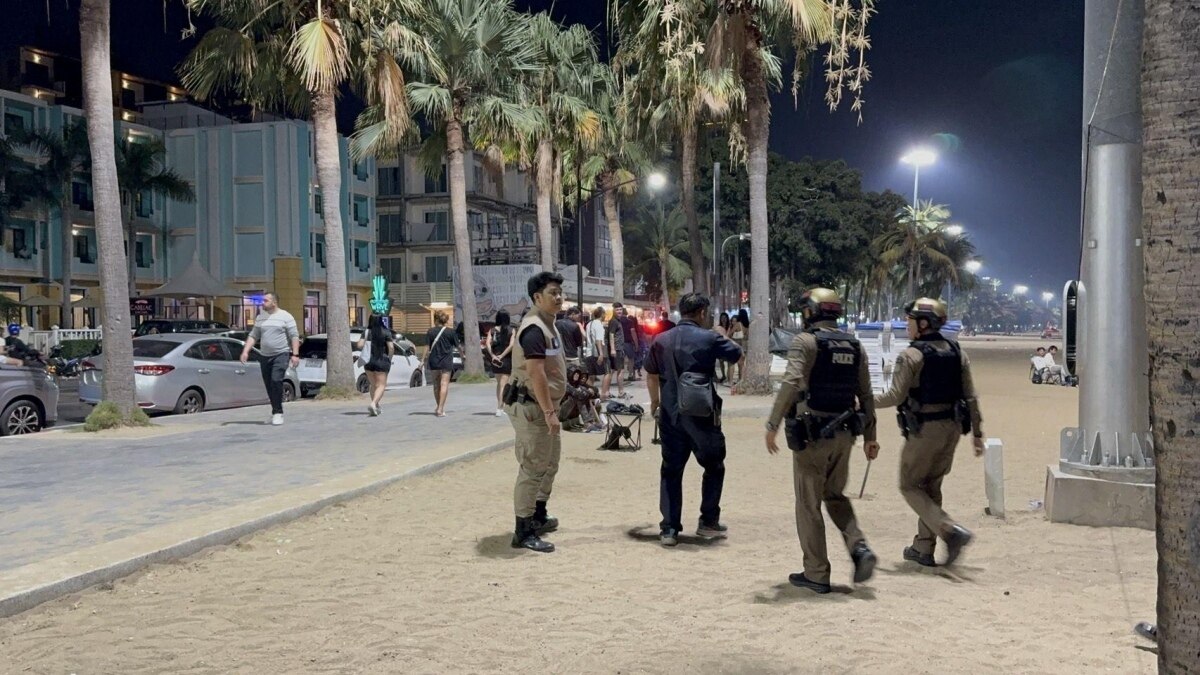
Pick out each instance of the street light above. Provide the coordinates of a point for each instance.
(918, 158)
(973, 266)
(744, 236)
(656, 181)
(1047, 296)
(954, 230)
(1020, 289)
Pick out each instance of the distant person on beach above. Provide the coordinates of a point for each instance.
(499, 347)
(615, 339)
(440, 357)
(375, 351)
(933, 389)
(572, 336)
(595, 355)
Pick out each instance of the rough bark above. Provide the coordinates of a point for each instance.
(1171, 222)
(67, 316)
(758, 113)
(613, 215)
(465, 277)
(340, 373)
(97, 104)
(687, 166)
(545, 188)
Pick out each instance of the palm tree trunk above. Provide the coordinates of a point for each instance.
(1171, 222)
(613, 216)
(687, 165)
(545, 186)
(97, 104)
(758, 112)
(663, 279)
(340, 373)
(473, 357)
(131, 247)
(67, 319)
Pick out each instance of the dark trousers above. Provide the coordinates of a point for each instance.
(681, 438)
(274, 371)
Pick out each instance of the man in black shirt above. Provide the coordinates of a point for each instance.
(572, 336)
(616, 349)
(629, 334)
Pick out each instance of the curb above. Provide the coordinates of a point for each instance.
(29, 598)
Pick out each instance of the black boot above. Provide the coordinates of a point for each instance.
(526, 537)
(864, 562)
(542, 522)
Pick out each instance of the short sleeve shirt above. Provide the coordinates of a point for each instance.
(533, 342)
(616, 334)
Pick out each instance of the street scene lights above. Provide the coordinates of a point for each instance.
(918, 158)
(1020, 289)
(1047, 296)
(954, 230)
(656, 181)
(973, 266)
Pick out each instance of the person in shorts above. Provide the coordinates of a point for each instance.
(595, 359)
(375, 349)
(615, 345)
(443, 343)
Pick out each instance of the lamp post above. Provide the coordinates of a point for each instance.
(1020, 289)
(1047, 296)
(744, 236)
(954, 230)
(918, 158)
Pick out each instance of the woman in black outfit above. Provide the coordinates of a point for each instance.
(379, 359)
(443, 345)
(499, 348)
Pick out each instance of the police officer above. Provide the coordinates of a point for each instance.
(689, 353)
(932, 387)
(826, 398)
(539, 380)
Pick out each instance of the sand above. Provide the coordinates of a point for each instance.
(420, 578)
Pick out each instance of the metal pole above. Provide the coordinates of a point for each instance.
(916, 179)
(579, 206)
(716, 227)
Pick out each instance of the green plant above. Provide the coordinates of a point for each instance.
(332, 393)
(72, 349)
(468, 378)
(106, 415)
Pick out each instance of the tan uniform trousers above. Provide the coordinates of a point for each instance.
(820, 472)
(538, 452)
(925, 460)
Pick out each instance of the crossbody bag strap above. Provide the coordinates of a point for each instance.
(439, 337)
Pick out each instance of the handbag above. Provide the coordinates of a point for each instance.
(364, 355)
(695, 390)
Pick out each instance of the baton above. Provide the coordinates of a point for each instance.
(865, 475)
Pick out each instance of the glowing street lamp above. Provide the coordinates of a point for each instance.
(918, 158)
(1047, 296)
(1020, 289)
(954, 230)
(656, 180)
(973, 266)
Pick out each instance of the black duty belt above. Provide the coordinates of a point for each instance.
(936, 416)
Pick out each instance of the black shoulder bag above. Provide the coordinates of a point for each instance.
(694, 390)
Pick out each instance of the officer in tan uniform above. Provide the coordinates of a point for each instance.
(539, 381)
(826, 400)
(935, 396)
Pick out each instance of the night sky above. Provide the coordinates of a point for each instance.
(994, 85)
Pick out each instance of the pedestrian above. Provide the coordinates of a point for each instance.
(595, 351)
(722, 329)
(442, 356)
(643, 339)
(630, 342)
(935, 394)
(499, 348)
(572, 336)
(375, 349)
(538, 384)
(278, 341)
(739, 329)
(827, 400)
(615, 337)
(679, 374)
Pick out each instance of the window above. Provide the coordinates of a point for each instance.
(475, 223)
(390, 184)
(437, 183)
(318, 205)
(391, 228)
(17, 118)
(437, 269)
(129, 99)
(478, 178)
(209, 350)
(527, 234)
(144, 252)
(529, 196)
(20, 244)
(83, 250)
(317, 249)
(440, 220)
(145, 204)
(392, 269)
(496, 226)
(360, 170)
(362, 256)
(361, 208)
(81, 195)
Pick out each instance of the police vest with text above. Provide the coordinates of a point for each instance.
(832, 392)
(939, 393)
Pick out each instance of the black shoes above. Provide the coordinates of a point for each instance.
(798, 579)
(526, 536)
(956, 540)
(864, 563)
(711, 530)
(925, 559)
(543, 523)
(669, 537)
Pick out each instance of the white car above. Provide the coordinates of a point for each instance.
(406, 365)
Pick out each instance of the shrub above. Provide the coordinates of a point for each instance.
(72, 349)
(106, 415)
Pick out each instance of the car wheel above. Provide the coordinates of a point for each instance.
(418, 379)
(289, 392)
(363, 385)
(20, 417)
(190, 402)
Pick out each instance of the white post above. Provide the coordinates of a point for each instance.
(993, 476)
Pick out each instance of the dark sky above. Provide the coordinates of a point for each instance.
(995, 85)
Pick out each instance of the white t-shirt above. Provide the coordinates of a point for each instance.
(1041, 362)
(595, 338)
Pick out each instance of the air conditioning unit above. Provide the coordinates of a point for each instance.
(416, 277)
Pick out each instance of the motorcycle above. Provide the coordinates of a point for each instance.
(57, 365)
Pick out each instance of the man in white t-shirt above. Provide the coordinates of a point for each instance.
(595, 357)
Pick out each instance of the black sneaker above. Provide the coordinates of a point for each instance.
(798, 579)
(925, 559)
(956, 540)
(711, 530)
(669, 538)
(864, 563)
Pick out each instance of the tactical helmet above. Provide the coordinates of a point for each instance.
(821, 303)
(930, 309)
(14, 329)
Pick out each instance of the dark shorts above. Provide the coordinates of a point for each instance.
(378, 366)
(595, 366)
(630, 352)
(616, 363)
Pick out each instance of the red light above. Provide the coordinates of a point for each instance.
(152, 370)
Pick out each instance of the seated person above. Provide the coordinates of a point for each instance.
(579, 410)
(1039, 360)
(15, 349)
(1054, 368)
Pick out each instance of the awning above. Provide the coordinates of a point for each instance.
(39, 301)
(89, 301)
(194, 282)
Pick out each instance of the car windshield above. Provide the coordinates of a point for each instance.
(153, 349)
(313, 348)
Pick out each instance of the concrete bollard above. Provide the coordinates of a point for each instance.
(993, 476)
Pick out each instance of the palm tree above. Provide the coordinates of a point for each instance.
(560, 89)
(64, 156)
(914, 243)
(94, 20)
(662, 238)
(471, 79)
(143, 174)
(1171, 220)
(291, 56)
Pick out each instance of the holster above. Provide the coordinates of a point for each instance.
(908, 420)
(515, 394)
(962, 415)
(797, 430)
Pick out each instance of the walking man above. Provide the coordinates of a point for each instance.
(539, 381)
(680, 374)
(572, 337)
(933, 389)
(278, 341)
(826, 399)
(615, 340)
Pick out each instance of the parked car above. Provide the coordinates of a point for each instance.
(28, 400)
(161, 326)
(406, 365)
(188, 373)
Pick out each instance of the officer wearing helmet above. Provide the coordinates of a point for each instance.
(935, 396)
(824, 402)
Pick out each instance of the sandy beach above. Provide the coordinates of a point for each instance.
(421, 579)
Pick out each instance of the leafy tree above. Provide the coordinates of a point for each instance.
(661, 239)
(142, 174)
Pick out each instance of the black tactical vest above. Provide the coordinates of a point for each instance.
(941, 373)
(833, 384)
